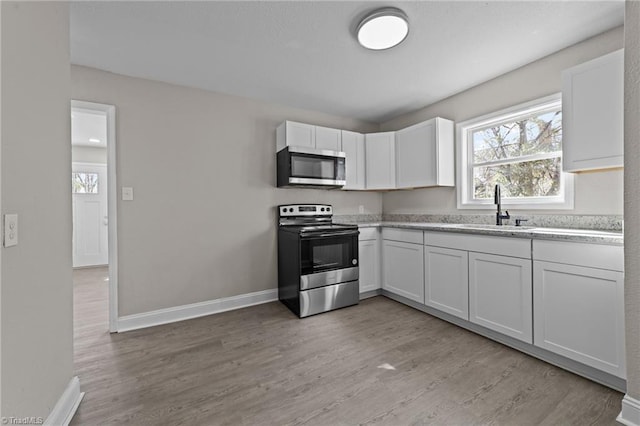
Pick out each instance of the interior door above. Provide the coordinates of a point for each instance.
(90, 220)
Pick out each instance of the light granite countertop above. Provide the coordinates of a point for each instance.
(540, 233)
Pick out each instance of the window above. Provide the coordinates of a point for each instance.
(84, 183)
(520, 149)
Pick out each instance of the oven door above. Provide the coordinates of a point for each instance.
(328, 258)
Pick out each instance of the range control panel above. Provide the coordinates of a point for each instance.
(291, 210)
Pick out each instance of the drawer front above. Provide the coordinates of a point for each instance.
(369, 233)
(580, 254)
(404, 235)
(503, 246)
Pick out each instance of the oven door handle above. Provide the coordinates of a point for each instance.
(329, 234)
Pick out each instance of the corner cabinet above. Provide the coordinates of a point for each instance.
(593, 114)
(369, 254)
(578, 292)
(353, 147)
(402, 254)
(380, 160)
(424, 154)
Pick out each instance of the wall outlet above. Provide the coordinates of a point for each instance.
(361, 209)
(10, 230)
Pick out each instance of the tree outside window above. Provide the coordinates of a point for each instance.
(519, 149)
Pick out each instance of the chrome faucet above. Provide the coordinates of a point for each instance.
(499, 215)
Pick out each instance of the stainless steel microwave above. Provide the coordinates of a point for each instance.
(311, 168)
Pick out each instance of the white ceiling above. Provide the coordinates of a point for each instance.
(304, 53)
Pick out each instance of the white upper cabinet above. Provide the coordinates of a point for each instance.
(291, 133)
(329, 139)
(425, 154)
(593, 113)
(380, 160)
(353, 146)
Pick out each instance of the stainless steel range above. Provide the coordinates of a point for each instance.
(317, 260)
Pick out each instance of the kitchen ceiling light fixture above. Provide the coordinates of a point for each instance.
(383, 28)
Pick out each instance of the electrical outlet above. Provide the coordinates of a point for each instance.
(10, 230)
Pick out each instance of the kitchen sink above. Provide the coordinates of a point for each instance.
(491, 227)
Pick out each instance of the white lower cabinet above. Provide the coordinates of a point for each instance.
(402, 269)
(579, 310)
(446, 280)
(369, 255)
(500, 294)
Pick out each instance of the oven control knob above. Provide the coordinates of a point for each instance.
(322, 209)
(328, 209)
(354, 261)
(291, 210)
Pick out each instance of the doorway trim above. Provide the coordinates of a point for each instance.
(112, 199)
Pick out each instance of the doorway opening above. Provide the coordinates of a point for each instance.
(93, 193)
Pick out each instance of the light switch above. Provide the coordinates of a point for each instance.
(127, 193)
(10, 230)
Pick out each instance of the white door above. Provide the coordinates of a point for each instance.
(369, 254)
(90, 220)
(402, 269)
(500, 294)
(380, 160)
(446, 280)
(326, 138)
(579, 313)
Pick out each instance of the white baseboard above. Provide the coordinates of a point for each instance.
(67, 405)
(630, 414)
(194, 310)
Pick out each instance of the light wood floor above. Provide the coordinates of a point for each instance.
(263, 366)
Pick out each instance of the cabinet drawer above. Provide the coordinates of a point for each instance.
(404, 235)
(504, 246)
(580, 254)
(368, 233)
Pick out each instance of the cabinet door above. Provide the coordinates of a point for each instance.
(500, 294)
(579, 313)
(593, 114)
(353, 146)
(446, 280)
(402, 269)
(416, 156)
(327, 138)
(369, 253)
(299, 134)
(380, 160)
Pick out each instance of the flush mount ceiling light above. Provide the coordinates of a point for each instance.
(383, 28)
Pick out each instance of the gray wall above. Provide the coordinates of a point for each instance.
(632, 196)
(36, 283)
(203, 223)
(595, 193)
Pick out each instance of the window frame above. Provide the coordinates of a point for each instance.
(464, 158)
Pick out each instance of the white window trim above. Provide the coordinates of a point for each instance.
(464, 188)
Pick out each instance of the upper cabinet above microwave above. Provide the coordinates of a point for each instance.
(301, 135)
(593, 114)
